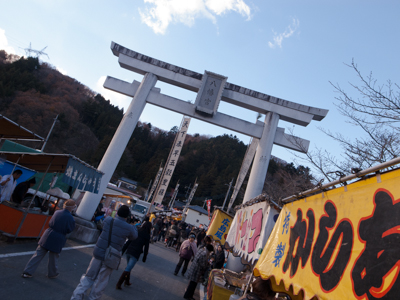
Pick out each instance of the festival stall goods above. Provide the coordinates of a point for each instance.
(342, 243)
(245, 237)
(20, 222)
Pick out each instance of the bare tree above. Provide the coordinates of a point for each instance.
(376, 110)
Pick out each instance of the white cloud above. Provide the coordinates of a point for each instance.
(62, 71)
(164, 12)
(290, 30)
(4, 43)
(115, 98)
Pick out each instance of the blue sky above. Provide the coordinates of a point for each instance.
(289, 49)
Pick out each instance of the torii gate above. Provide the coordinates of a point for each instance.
(211, 88)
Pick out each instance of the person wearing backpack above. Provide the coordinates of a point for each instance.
(187, 250)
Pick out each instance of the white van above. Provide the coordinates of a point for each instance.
(139, 209)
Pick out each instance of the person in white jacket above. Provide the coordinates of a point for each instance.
(7, 185)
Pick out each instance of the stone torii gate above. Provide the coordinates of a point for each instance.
(211, 88)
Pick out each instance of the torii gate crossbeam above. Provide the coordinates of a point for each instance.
(267, 132)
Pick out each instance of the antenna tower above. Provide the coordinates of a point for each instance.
(29, 51)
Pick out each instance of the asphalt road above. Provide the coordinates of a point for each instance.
(151, 280)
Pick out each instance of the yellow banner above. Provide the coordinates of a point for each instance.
(219, 226)
(340, 244)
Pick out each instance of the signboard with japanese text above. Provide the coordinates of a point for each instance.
(82, 177)
(219, 226)
(171, 162)
(250, 230)
(210, 92)
(341, 244)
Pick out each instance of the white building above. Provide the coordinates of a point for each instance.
(196, 216)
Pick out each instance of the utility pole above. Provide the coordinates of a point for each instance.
(227, 193)
(48, 135)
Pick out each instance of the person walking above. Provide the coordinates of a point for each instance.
(98, 274)
(7, 185)
(182, 236)
(52, 240)
(197, 270)
(133, 252)
(171, 234)
(187, 250)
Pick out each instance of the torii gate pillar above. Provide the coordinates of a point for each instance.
(262, 157)
(117, 146)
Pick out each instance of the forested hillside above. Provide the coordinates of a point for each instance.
(33, 94)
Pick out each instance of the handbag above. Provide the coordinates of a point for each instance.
(112, 258)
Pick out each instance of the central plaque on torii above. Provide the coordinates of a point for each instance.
(210, 93)
(211, 88)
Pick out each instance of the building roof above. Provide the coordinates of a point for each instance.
(124, 179)
(198, 209)
(123, 191)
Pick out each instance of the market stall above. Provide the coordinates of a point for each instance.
(244, 237)
(28, 222)
(341, 243)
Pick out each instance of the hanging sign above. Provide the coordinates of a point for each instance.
(219, 226)
(341, 244)
(82, 177)
(250, 230)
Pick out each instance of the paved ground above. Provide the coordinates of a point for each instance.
(151, 280)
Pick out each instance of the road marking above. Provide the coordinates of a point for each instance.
(33, 252)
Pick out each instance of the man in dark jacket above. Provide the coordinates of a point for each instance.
(98, 274)
(21, 189)
(53, 240)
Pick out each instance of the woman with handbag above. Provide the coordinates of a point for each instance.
(133, 251)
(186, 252)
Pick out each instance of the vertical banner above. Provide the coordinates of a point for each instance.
(153, 187)
(219, 226)
(191, 195)
(209, 208)
(250, 230)
(248, 158)
(172, 161)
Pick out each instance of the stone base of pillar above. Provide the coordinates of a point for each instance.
(85, 231)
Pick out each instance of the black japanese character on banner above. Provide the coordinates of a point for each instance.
(376, 271)
(299, 231)
(330, 276)
(168, 172)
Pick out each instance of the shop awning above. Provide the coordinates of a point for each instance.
(77, 173)
(12, 131)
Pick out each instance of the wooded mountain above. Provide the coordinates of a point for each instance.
(33, 94)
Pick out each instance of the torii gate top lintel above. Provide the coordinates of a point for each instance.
(232, 93)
